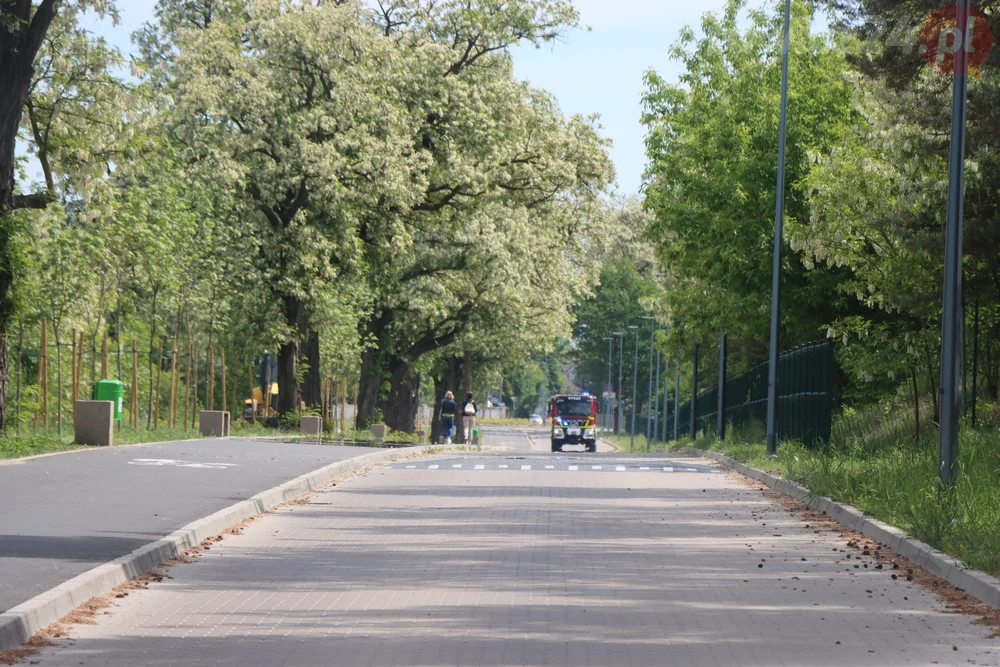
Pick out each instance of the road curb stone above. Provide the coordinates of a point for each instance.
(976, 583)
(19, 623)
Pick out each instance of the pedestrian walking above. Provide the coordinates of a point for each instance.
(469, 410)
(448, 411)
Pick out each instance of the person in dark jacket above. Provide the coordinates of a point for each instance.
(469, 410)
(448, 411)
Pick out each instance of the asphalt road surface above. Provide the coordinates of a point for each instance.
(531, 565)
(63, 515)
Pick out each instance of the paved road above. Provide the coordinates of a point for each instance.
(458, 566)
(65, 514)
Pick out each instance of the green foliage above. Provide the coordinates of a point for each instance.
(711, 177)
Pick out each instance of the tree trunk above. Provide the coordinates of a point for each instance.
(312, 389)
(288, 354)
(400, 407)
(366, 400)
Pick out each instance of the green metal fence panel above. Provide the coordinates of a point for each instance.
(805, 398)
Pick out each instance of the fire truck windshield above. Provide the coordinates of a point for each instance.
(573, 407)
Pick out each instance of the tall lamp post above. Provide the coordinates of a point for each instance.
(635, 383)
(607, 388)
(618, 389)
(779, 218)
(649, 401)
(952, 320)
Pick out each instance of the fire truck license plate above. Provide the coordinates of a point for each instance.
(572, 431)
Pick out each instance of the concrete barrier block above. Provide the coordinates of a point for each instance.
(311, 425)
(214, 423)
(94, 423)
(379, 431)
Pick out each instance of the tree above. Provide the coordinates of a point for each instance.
(508, 201)
(23, 27)
(711, 177)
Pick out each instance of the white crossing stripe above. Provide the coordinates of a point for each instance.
(480, 467)
(668, 470)
(410, 467)
(504, 466)
(574, 467)
(525, 467)
(643, 467)
(596, 467)
(433, 467)
(620, 468)
(457, 465)
(692, 470)
(550, 467)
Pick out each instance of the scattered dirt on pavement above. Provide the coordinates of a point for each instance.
(868, 553)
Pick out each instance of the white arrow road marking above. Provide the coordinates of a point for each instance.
(183, 464)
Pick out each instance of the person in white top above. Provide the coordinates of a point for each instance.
(469, 410)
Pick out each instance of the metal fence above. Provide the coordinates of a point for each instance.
(805, 399)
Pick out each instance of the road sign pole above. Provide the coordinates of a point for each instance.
(951, 320)
(779, 214)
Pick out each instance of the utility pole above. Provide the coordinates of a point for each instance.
(677, 402)
(635, 383)
(779, 219)
(952, 320)
(618, 389)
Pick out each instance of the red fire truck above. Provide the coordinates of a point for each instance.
(574, 421)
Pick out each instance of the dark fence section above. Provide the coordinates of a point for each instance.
(805, 398)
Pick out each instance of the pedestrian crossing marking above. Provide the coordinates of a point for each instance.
(558, 465)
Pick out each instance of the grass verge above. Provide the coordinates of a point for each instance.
(896, 482)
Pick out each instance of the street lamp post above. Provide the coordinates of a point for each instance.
(607, 387)
(654, 404)
(649, 401)
(618, 389)
(952, 319)
(635, 383)
(779, 215)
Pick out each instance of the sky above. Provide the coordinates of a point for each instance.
(597, 71)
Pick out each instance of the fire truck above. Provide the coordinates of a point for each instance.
(574, 421)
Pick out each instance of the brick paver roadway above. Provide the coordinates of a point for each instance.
(647, 561)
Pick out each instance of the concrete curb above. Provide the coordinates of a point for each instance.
(18, 624)
(980, 585)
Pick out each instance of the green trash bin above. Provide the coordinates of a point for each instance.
(110, 390)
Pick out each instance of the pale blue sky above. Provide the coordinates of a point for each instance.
(590, 72)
